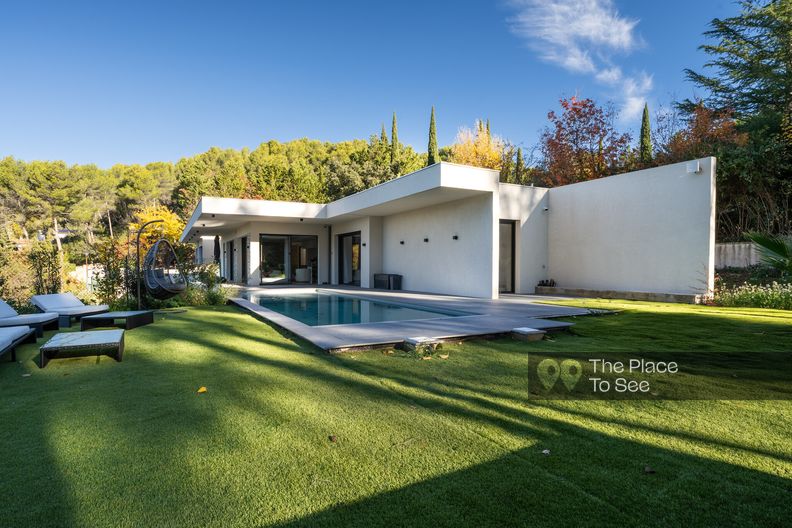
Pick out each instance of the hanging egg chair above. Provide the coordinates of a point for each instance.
(161, 271)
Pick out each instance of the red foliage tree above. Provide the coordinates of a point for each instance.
(582, 143)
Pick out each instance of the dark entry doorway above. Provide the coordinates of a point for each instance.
(506, 265)
(349, 258)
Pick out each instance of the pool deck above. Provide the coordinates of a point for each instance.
(490, 317)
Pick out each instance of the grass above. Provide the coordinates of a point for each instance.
(91, 442)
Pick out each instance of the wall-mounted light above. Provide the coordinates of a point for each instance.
(693, 167)
(455, 237)
(426, 240)
(212, 216)
(301, 219)
(364, 244)
(546, 209)
(401, 242)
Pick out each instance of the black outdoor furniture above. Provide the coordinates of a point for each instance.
(12, 336)
(387, 281)
(127, 320)
(94, 342)
(161, 271)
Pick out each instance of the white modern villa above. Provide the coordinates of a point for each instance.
(454, 229)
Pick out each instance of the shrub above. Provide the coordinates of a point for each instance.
(776, 251)
(775, 295)
(16, 277)
(109, 284)
(46, 265)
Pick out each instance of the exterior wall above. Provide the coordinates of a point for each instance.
(651, 231)
(466, 266)
(526, 206)
(736, 255)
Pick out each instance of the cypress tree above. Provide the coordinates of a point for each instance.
(433, 156)
(518, 169)
(383, 135)
(645, 150)
(394, 140)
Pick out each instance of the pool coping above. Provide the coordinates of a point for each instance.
(489, 317)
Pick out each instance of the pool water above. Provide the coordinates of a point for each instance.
(319, 309)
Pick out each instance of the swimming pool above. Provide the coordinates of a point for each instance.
(321, 309)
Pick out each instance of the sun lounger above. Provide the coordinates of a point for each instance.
(12, 336)
(67, 306)
(38, 321)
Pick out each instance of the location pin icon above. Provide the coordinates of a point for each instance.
(570, 373)
(548, 372)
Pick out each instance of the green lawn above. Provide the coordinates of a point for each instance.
(92, 442)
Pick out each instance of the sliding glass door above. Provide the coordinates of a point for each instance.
(303, 259)
(289, 259)
(273, 258)
(349, 259)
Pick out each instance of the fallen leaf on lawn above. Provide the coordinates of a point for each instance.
(25, 375)
(545, 452)
(332, 438)
(443, 356)
(202, 390)
(427, 357)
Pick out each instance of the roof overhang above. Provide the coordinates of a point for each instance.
(433, 185)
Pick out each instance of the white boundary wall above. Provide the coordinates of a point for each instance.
(646, 231)
(736, 255)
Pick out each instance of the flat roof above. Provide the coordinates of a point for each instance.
(438, 183)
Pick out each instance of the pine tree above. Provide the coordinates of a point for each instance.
(519, 171)
(645, 150)
(383, 135)
(394, 140)
(433, 155)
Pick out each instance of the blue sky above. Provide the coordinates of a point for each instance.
(135, 82)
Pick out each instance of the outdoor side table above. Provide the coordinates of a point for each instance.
(94, 342)
(129, 320)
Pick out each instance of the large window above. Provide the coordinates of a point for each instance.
(289, 259)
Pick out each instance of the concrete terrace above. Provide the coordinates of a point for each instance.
(490, 317)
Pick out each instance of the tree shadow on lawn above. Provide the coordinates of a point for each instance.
(607, 472)
(763, 367)
(132, 444)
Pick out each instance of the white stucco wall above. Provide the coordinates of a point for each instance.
(651, 230)
(526, 206)
(467, 266)
(206, 253)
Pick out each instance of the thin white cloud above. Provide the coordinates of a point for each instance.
(585, 37)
